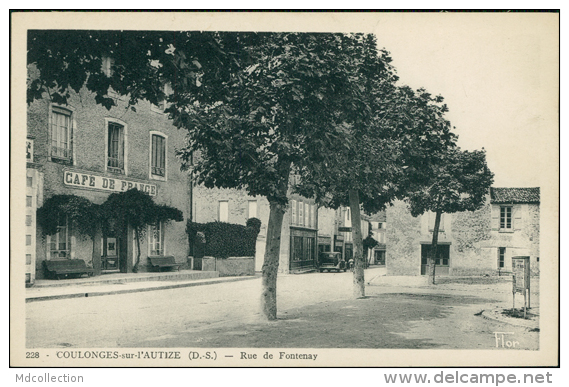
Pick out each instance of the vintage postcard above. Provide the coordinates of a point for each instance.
(276, 189)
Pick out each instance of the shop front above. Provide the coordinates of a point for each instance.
(111, 245)
(302, 249)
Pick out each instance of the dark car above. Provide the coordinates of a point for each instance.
(331, 261)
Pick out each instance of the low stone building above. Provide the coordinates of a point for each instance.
(470, 243)
(299, 228)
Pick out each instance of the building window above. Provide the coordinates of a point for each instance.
(442, 258)
(307, 218)
(163, 104)
(29, 150)
(61, 134)
(223, 211)
(300, 213)
(158, 155)
(28, 201)
(347, 218)
(501, 257)
(297, 248)
(252, 209)
(28, 259)
(115, 148)
(28, 220)
(309, 246)
(505, 218)
(293, 206)
(28, 240)
(29, 181)
(156, 239)
(59, 245)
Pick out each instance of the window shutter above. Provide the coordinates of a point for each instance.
(517, 217)
(154, 151)
(120, 133)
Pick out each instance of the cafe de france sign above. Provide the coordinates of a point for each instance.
(96, 182)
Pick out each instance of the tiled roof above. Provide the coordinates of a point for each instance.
(514, 195)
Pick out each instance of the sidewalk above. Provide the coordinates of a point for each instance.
(497, 287)
(120, 283)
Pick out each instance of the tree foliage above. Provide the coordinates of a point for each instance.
(82, 214)
(140, 63)
(223, 239)
(385, 138)
(275, 109)
(457, 181)
(454, 181)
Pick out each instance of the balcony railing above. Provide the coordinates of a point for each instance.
(158, 171)
(115, 165)
(60, 153)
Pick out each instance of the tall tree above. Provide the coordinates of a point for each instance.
(281, 101)
(454, 181)
(389, 130)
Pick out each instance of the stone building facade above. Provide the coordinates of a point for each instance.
(86, 150)
(306, 229)
(299, 228)
(470, 243)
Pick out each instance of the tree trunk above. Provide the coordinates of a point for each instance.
(96, 256)
(271, 263)
(433, 250)
(137, 237)
(273, 246)
(359, 283)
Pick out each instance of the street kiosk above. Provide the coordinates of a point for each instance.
(521, 280)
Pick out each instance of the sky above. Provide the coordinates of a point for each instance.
(498, 74)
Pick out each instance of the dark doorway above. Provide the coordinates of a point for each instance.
(349, 251)
(379, 257)
(110, 254)
(442, 260)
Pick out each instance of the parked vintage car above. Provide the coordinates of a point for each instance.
(331, 261)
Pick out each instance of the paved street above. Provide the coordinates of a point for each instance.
(315, 310)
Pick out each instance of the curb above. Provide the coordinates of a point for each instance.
(125, 291)
(527, 324)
